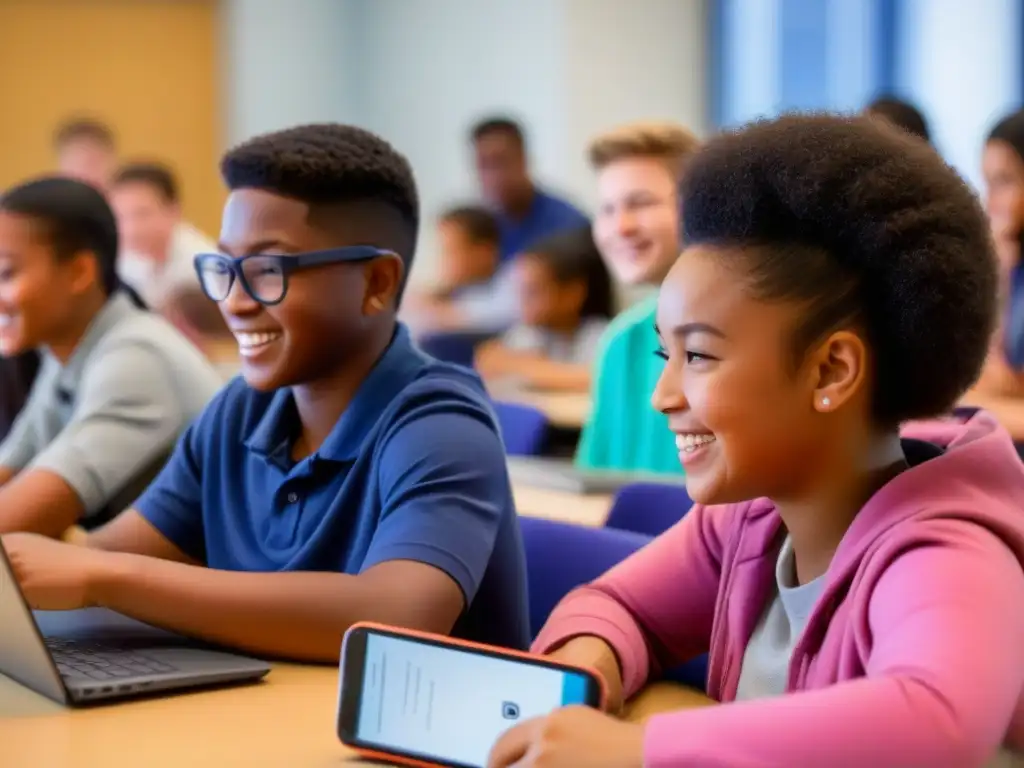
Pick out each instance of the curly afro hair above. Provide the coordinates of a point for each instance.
(867, 228)
(329, 165)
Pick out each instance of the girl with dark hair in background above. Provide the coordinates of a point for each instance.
(117, 384)
(1001, 385)
(566, 301)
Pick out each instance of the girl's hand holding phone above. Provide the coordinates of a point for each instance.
(573, 737)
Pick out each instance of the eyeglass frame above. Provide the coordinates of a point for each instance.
(286, 262)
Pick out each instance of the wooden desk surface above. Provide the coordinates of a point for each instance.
(288, 720)
(566, 410)
(589, 509)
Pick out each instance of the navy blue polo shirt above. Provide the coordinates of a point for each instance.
(548, 215)
(414, 470)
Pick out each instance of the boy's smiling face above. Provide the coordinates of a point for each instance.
(327, 311)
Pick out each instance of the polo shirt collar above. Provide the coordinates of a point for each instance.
(400, 364)
(117, 308)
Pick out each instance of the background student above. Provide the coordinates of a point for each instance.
(348, 476)
(158, 245)
(637, 230)
(565, 302)
(117, 386)
(526, 212)
(1000, 388)
(471, 294)
(845, 609)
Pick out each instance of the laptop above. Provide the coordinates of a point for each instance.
(559, 474)
(90, 655)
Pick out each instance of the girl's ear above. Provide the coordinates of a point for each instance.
(838, 370)
(84, 272)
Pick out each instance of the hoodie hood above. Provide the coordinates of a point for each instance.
(971, 488)
(974, 475)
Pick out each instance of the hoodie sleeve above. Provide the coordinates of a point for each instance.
(656, 607)
(942, 679)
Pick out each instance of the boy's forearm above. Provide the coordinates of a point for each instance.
(300, 616)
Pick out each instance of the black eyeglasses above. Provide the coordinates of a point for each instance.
(264, 276)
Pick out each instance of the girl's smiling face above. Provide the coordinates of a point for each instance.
(752, 417)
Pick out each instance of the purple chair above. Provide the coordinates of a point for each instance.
(648, 508)
(562, 556)
(524, 429)
(456, 347)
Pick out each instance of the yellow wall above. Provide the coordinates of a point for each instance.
(149, 68)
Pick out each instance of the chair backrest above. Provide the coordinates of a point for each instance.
(562, 556)
(648, 508)
(523, 428)
(456, 347)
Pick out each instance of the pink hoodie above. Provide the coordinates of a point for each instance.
(913, 656)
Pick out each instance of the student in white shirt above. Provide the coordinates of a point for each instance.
(565, 303)
(157, 247)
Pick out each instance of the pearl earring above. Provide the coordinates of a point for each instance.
(825, 402)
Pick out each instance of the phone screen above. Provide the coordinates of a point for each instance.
(449, 705)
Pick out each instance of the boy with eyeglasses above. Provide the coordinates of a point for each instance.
(346, 476)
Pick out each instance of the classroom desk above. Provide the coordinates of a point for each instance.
(581, 509)
(288, 720)
(565, 410)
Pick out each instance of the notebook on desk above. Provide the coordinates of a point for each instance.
(92, 655)
(559, 474)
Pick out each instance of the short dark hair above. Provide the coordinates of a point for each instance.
(479, 224)
(863, 225)
(328, 164)
(902, 114)
(573, 255)
(499, 125)
(76, 218)
(87, 128)
(156, 175)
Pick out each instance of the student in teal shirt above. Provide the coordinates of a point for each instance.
(637, 229)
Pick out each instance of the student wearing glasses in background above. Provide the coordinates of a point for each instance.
(347, 476)
(117, 385)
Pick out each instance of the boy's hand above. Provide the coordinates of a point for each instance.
(54, 576)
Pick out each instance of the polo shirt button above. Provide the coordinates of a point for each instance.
(293, 497)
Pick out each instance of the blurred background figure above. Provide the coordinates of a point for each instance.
(157, 246)
(565, 303)
(525, 211)
(901, 114)
(468, 292)
(86, 150)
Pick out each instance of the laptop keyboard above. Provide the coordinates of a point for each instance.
(102, 662)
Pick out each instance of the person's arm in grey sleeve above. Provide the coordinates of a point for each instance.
(126, 416)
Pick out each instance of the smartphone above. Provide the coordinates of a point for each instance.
(426, 700)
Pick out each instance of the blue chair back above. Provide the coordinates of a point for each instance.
(648, 508)
(456, 347)
(561, 557)
(523, 428)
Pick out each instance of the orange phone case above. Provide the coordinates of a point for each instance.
(371, 754)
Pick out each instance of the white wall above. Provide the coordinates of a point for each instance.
(420, 72)
(286, 62)
(961, 63)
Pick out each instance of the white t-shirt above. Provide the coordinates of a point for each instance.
(579, 347)
(155, 281)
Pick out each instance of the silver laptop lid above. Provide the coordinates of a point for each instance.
(559, 474)
(23, 655)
